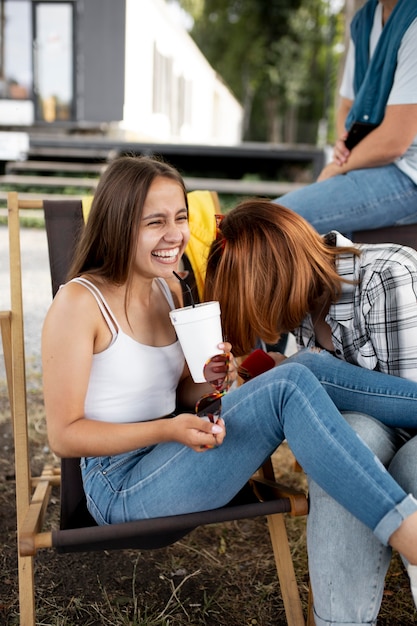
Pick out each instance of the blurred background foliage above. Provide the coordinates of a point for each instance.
(281, 59)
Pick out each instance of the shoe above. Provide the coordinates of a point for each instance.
(412, 572)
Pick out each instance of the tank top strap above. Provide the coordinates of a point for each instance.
(102, 304)
(166, 291)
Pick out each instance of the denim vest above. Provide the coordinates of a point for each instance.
(374, 78)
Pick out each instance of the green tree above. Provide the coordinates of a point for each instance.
(274, 55)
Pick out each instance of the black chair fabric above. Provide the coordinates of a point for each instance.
(159, 532)
(63, 223)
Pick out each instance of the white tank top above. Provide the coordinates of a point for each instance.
(130, 381)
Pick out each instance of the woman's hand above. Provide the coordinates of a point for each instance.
(221, 370)
(220, 373)
(331, 170)
(340, 152)
(340, 158)
(232, 373)
(197, 433)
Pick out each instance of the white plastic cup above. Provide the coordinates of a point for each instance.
(199, 332)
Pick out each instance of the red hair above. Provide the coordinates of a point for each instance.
(267, 271)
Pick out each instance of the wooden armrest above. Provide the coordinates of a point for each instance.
(30, 538)
(50, 473)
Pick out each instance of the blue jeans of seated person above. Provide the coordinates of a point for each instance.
(347, 563)
(346, 560)
(390, 399)
(361, 199)
(286, 402)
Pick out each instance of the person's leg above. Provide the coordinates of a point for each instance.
(403, 466)
(358, 200)
(390, 399)
(286, 402)
(346, 560)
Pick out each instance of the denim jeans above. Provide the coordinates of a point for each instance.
(390, 399)
(359, 200)
(347, 563)
(286, 402)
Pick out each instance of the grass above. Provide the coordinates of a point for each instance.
(31, 221)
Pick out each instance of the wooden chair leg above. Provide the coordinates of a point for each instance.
(6, 338)
(285, 569)
(26, 591)
(310, 614)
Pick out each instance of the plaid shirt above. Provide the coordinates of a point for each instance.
(374, 323)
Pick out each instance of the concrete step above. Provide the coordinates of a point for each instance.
(222, 186)
(54, 166)
(80, 153)
(242, 187)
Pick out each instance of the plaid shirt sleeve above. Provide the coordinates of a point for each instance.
(389, 309)
(374, 324)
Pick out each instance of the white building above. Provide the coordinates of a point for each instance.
(127, 66)
(171, 91)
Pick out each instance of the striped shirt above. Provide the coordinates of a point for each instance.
(374, 323)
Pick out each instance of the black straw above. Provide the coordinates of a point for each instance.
(187, 286)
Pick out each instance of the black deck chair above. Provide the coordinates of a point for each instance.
(78, 531)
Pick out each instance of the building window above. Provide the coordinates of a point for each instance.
(15, 50)
(171, 93)
(162, 83)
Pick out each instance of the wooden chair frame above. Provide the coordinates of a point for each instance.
(33, 493)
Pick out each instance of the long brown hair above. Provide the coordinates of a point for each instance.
(267, 268)
(108, 242)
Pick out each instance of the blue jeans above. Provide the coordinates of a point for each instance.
(286, 402)
(347, 563)
(390, 399)
(359, 200)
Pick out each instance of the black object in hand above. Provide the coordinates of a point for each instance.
(357, 132)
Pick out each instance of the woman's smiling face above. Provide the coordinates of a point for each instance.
(164, 232)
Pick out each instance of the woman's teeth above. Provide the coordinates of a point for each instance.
(166, 254)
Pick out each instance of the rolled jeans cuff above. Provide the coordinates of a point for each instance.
(393, 520)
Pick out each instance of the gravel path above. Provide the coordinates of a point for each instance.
(37, 294)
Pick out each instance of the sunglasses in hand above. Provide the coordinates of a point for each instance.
(216, 373)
